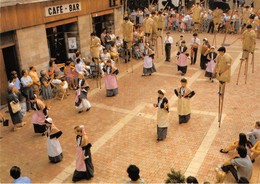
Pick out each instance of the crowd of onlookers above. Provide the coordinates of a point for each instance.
(58, 79)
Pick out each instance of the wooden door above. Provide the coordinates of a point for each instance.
(3, 80)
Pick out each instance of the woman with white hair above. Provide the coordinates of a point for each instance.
(84, 166)
(53, 144)
(162, 115)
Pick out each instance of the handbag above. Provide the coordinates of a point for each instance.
(15, 106)
(6, 122)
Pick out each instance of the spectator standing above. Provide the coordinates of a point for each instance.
(46, 85)
(17, 117)
(168, 41)
(27, 83)
(195, 43)
(36, 81)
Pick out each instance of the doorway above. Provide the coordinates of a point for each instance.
(11, 60)
(8, 63)
(60, 41)
(103, 22)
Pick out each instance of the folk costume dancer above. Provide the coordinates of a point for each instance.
(168, 41)
(110, 79)
(203, 53)
(84, 166)
(95, 44)
(182, 58)
(39, 115)
(211, 64)
(195, 43)
(128, 28)
(81, 101)
(149, 67)
(184, 95)
(162, 115)
(53, 144)
(248, 43)
(196, 16)
(223, 75)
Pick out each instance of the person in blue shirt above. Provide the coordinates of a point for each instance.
(27, 90)
(17, 82)
(15, 172)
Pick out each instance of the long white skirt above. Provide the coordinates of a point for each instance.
(54, 147)
(85, 104)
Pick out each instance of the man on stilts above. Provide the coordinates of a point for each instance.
(128, 28)
(223, 75)
(249, 42)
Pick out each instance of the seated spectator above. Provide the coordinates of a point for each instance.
(191, 180)
(239, 166)
(70, 74)
(105, 56)
(255, 151)
(81, 67)
(133, 173)
(141, 45)
(15, 172)
(113, 37)
(113, 52)
(55, 68)
(241, 142)
(137, 52)
(58, 80)
(119, 45)
(254, 135)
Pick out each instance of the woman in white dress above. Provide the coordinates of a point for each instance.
(53, 144)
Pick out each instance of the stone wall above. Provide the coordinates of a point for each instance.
(118, 18)
(33, 47)
(85, 28)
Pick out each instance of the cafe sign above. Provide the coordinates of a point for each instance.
(62, 9)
